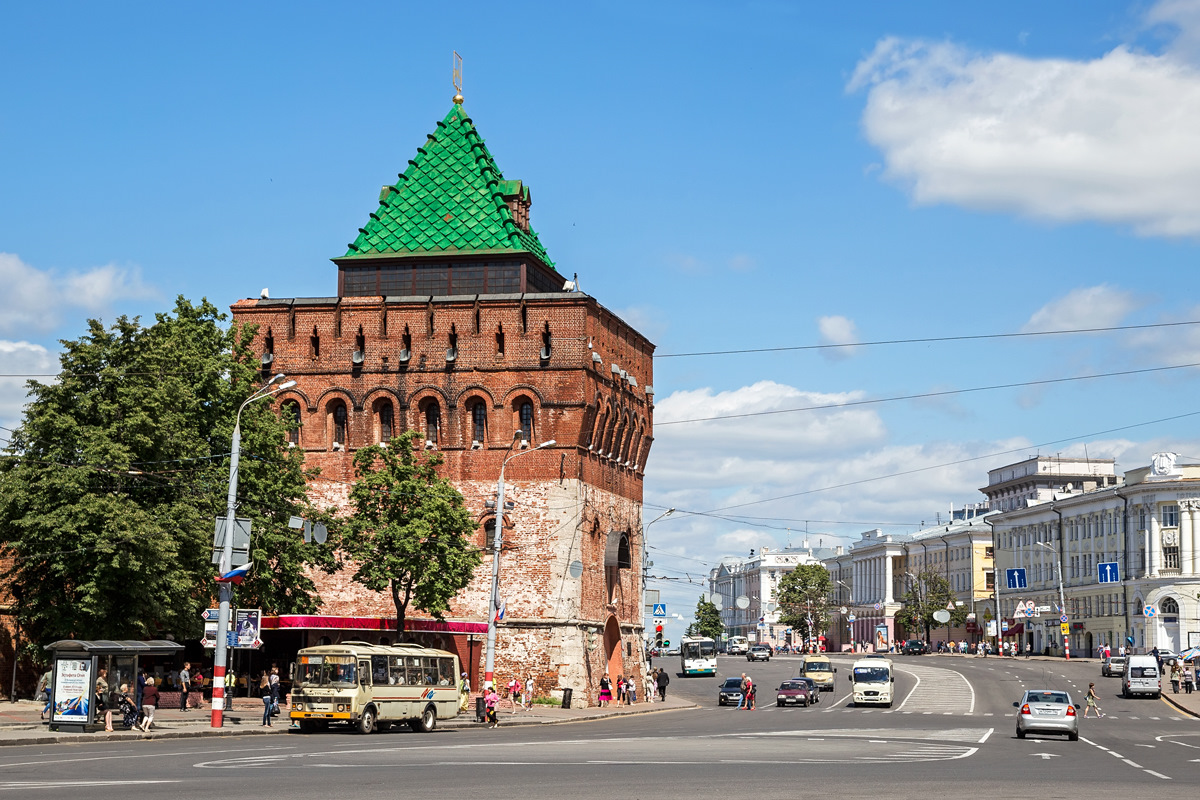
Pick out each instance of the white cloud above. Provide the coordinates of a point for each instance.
(1115, 139)
(1086, 307)
(34, 299)
(838, 330)
(20, 358)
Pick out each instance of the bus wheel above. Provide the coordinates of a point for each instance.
(426, 722)
(366, 722)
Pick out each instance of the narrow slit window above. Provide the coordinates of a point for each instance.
(525, 416)
(314, 344)
(385, 422)
(479, 422)
(433, 419)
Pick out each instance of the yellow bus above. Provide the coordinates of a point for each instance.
(370, 687)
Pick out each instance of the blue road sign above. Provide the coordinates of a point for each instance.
(660, 609)
(1016, 578)
(1109, 572)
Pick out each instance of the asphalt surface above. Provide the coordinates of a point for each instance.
(951, 731)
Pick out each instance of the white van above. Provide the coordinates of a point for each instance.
(1141, 676)
(873, 682)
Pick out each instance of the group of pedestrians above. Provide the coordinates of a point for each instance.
(268, 690)
(749, 692)
(1182, 674)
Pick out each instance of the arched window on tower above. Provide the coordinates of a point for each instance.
(290, 411)
(433, 423)
(337, 410)
(478, 423)
(525, 420)
(386, 421)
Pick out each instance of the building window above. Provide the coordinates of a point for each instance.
(291, 419)
(479, 422)
(385, 422)
(338, 410)
(1171, 558)
(1170, 516)
(314, 344)
(1141, 518)
(433, 420)
(1169, 607)
(525, 417)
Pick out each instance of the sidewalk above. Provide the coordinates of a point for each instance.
(1187, 703)
(20, 723)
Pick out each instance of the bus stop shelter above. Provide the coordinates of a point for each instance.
(77, 665)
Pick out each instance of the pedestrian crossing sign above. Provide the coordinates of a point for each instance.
(660, 609)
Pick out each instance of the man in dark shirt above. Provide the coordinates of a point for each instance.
(663, 680)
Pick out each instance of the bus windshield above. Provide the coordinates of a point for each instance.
(705, 649)
(322, 670)
(871, 675)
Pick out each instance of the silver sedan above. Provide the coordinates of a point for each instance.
(1047, 711)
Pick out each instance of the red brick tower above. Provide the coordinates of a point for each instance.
(451, 319)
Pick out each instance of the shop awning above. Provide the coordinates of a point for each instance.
(326, 622)
(110, 647)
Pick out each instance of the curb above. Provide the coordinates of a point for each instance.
(1178, 707)
(281, 730)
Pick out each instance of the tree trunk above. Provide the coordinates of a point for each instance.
(401, 608)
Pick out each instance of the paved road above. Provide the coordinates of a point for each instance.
(951, 730)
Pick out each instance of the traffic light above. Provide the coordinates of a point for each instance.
(666, 642)
(658, 635)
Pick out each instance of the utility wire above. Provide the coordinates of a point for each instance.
(923, 395)
(927, 340)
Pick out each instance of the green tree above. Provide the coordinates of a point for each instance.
(110, 487)
(803, 600)
(408, 531)
(708, 621)
(929, 593)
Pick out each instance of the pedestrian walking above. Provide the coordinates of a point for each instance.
(514, 693)
(620, 690)
(1176, 676)
(651, 685)
(631, 690)
(1093, 703)
(750, 693)
(149, 703)
(605, 696)
(185, 682)
(744, 685)
(264, 691)
(490, 701)
(529, 693)
(141, 687)
(43, 692)
(275, 691)
(1189, 678)
(1028, 649)
(662, 680)
(464, 692)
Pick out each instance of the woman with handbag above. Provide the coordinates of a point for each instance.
(264, 690)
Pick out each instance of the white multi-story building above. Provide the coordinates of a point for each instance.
(1040, 477)
(756, 579)
(1146, 527)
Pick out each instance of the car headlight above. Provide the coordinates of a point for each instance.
(299, 706)
(341, 707)
(781, 697)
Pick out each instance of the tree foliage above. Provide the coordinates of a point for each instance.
(925, 596)
(408, 530)
(803, 596)
(110, 487)
(707, 622)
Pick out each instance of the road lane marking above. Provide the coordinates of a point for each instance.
(1157, 774)
(125, 756)
(1132, 763)
(27, 785)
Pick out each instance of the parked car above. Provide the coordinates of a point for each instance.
(915, 647)
(1113, 666)
(730, 692)
(791, 693)
(1047, 711)
(760, 652)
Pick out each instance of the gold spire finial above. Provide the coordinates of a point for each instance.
(457, 78)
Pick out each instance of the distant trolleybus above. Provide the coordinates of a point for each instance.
(738, 645)
(369, 686)
(698, 655)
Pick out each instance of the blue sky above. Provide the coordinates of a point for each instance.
(725, 176)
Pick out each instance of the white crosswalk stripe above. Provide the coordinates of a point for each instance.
(938, 691)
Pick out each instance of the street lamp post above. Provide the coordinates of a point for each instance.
(220, 659)
(494, 605)
(646, 568)
(1062, 600)
(849, 601)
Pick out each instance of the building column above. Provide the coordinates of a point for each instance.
(887, 586)
(1154, 550)
(1187, 528)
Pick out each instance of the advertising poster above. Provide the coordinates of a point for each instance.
(73, 686)
(881, 638)
(248, 622)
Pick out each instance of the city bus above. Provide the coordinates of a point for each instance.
(738, 645)
(370, 687)
(698, 655)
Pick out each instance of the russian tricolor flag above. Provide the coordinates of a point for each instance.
(500, 610)
(236, 575)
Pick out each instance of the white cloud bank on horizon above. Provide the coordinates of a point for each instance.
(1115, 139)
(35, 299)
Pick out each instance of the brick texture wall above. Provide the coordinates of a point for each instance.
(573, 502)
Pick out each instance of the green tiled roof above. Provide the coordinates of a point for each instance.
(451, 198)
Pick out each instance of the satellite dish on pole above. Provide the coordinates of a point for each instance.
(717, 601)
(941, 615)
(743, 602)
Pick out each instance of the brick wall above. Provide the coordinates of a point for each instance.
(573, 501)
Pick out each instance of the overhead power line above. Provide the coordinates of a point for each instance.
(924, 395)
(928, 340)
